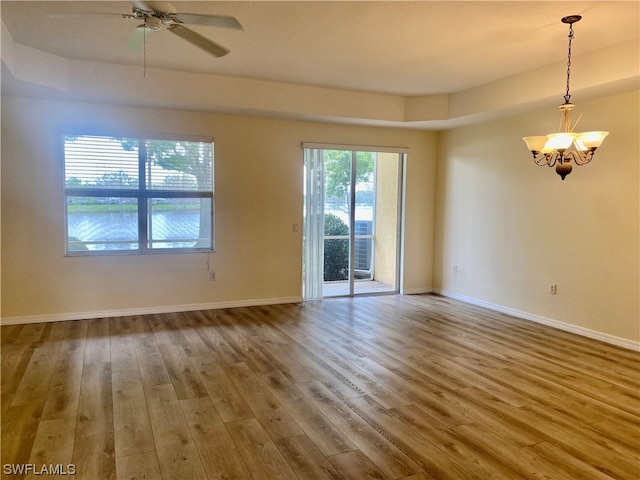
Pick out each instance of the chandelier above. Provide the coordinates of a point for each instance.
(560, 148)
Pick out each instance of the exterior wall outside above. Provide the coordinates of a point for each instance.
(386, 218)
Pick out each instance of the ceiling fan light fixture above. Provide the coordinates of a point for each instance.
(560, 148)
(153, 23)
(163, 16)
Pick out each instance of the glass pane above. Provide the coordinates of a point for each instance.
(100, 162)
(337, 189)
(102, 223)
(336, 260)
(179, 165)
(363, 254)
(180, 223)
(337, 210)
(377, 210)
(364, 215)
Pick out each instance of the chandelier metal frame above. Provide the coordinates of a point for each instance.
(559, 149)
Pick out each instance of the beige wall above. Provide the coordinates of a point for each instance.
(513, 228)
(258, 165)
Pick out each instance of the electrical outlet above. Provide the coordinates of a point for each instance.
(553, 288)
(455, 269)
(212, 276)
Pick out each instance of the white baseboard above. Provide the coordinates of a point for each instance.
(585, 332)
(61, 317)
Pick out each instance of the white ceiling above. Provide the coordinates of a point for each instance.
(401, 48)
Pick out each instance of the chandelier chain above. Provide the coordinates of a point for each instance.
(567, 97)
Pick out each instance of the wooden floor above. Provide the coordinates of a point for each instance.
(386, 387)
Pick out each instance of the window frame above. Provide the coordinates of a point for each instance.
(141, 193)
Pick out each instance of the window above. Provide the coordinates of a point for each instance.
(138, 195)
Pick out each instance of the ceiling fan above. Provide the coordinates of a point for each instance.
(163, 15)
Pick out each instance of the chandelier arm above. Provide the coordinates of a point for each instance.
(542, 159)
(581, 158)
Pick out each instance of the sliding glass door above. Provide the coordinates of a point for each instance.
(352, 221)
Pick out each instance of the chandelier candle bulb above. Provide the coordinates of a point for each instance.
(558, 149)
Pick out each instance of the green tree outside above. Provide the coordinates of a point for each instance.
(336, 251)
(338, 192)
(338, 174)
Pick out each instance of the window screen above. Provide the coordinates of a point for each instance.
(137, 195)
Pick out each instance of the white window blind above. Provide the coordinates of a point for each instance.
(137, 195)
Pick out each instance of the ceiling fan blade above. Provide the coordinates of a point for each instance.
(198, 40)
(223, 21)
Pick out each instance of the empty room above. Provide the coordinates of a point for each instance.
(320, 240)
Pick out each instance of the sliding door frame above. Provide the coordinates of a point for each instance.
(402, 153)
